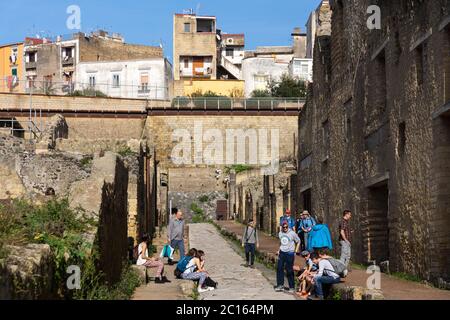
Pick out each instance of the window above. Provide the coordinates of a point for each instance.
(67, 52)
(261, 82)
(326, 137)
(116, 81)
(205, 25)
(31, 82)
(401, 143)
(92, 81)
(421, 60)
(144, 82)
(230, 52)
(186, 63)
(187, 27)
(32, 56)
(445, 50)
(14, 72)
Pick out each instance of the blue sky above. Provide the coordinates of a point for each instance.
(264, 22)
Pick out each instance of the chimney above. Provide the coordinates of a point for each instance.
(299, 43)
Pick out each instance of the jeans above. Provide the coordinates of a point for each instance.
(346, 252)
(250, 249)
(319, 281)
(200, 276)
(286, 261)
(178, 244)
(301, 235)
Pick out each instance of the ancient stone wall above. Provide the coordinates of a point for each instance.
(104, 196)
(367, 132)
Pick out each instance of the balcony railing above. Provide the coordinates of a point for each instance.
(67, 62)
(30, 65)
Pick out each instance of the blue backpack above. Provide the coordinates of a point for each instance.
(182, 266)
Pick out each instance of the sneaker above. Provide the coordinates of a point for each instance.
(246, 265)
(252, 267)
(279, 289)
(211, 288)
(166, 280)
(291, 291)
(201, 290)
(159, 281)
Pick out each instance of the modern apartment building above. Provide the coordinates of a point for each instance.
(204, 55)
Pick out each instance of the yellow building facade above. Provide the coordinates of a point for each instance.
(11, 68)
(228, 88)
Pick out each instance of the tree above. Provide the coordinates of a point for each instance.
(288, 87)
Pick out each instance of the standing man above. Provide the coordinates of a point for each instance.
(345, 238)
(307, 225)
(175, 234)
(289, 219)
(250, 242)
(286, 256)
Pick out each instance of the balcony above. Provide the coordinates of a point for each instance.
(67, 61)
(30, 65)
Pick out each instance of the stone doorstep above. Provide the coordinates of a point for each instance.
(346, 292)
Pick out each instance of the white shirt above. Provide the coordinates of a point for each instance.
(326, 269)
(141, 261)
(190, 268)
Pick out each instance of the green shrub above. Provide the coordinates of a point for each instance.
(203, 199)
(238, 168)
(199, 215)
(62, 228)
(125, 152)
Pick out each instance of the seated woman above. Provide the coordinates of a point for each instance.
(194, 271)
(210, 283)
(150, 262)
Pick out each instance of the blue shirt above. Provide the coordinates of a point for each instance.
(307, 223)
(290, 220)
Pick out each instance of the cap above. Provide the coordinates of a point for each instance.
(305, 253)
(288, 211)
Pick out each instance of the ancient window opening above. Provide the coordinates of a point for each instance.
(326, 138)
(445, 54)
(348, 121)
(401, 142)
(421, 61)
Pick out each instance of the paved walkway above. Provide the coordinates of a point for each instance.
(393, 288)
(224, 265)
(167, 291)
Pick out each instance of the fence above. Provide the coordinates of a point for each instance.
(67, 88)
(250, 104)
(34, 125)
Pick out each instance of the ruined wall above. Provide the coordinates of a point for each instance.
(366, 132)
(104, 196)
(31, 174)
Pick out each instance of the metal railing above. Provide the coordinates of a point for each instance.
(250, 104)
(69, 88)
(15, 128)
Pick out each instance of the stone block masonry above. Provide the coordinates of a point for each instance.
(368, 141)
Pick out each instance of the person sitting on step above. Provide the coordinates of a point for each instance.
(150, 262)
(194, 271)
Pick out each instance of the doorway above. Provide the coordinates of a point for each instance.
(378, 224)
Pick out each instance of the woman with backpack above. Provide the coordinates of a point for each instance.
(150, 262)
(250, 242)
(194, 271)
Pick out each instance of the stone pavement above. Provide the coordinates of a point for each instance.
(393, 288)
(224, 265)
(176, 290)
